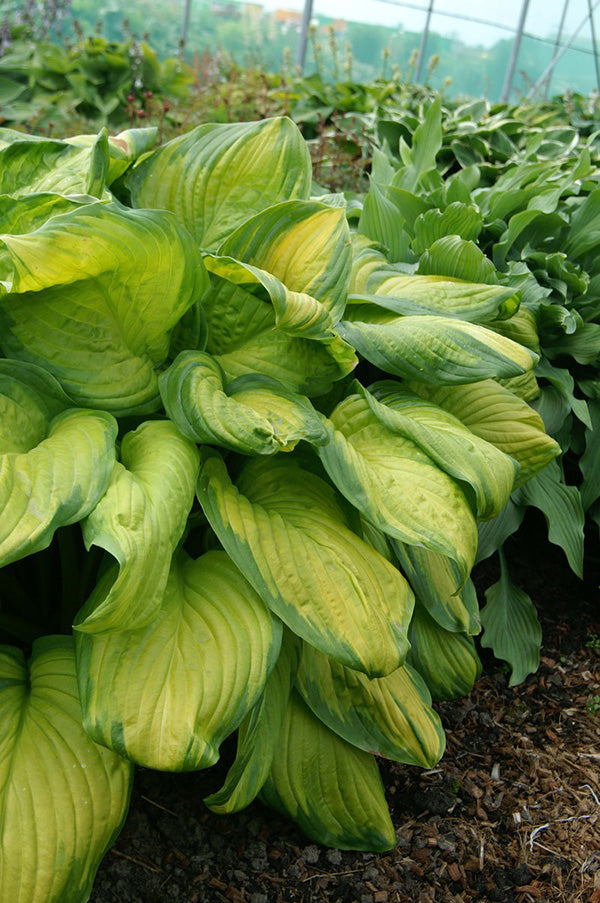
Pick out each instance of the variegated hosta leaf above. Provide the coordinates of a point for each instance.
(219, 174)
(123, 148)
(396, 485)
(332, 790)
(29, 166)
(447, 661)
(140, 520)
(55, 464)
(21, 215)
(305, 245)
(367, 258)
(434, 579)
(167, 695)
(258, 735)
(493, 413)
(432, 349)
(92, 297)
(429, 295)
(63, 798)
(459, 452)
(254, 414)
(388, 716)
(244, 336)
(285, 529)
(511, 626)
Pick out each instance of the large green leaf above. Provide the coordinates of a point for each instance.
(258, 735)
(457, 220)
(92, 297)
(168, 694)
(396, 485)
(140, 520)
(588, 463)
(434, 579)
(287, 532)
(511, 626)
(217, 176)
(55, 460)
(501, 418)
(489, 473)
(432, 349)
(254, 414)
(63, 798)
(447, 661)
(305, 245)
(427, 295)
(332, 790)
(290, 339)
(28, 166)
(389, 716)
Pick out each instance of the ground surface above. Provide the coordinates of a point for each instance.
(510, 815)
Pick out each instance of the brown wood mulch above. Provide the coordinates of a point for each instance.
(510, 815)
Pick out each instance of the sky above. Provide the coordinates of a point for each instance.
(543, 16)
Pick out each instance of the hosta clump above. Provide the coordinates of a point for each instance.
(259, 454)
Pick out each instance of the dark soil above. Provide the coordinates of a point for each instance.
(510, 815)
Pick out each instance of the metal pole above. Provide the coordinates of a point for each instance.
(306, 17)
(557, 44)
(184, 28)
(424, 37)
(557, 56)
(594, 44)
(508, 78)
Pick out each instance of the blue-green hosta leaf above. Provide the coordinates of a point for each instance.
(447, 661)
(305, 245)
(589, 461)
(434, 295)
(561, 506)
(493, 413)
(432, 349)
(93, 296)
(388, 716)
(140, 520)
(332, 790)
(493, 533)
(244, 336)
(396, 485)
(55, 464)
(63, 798)
(253, 415)
(167, 695)
(434, 579)
(456, 258)
(455, 449)
(511, 626)
(562, 380)
(258, 735)
(381, 220)
(287, 532)
(457, 220)
(28, 167)
(583, 345)
(426, 142)
(218, 175)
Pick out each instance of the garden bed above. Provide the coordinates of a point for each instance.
(510, 815)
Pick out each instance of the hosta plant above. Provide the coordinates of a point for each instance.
(243, 462)
(473, 194)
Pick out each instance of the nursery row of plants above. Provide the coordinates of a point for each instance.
(257, 432)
